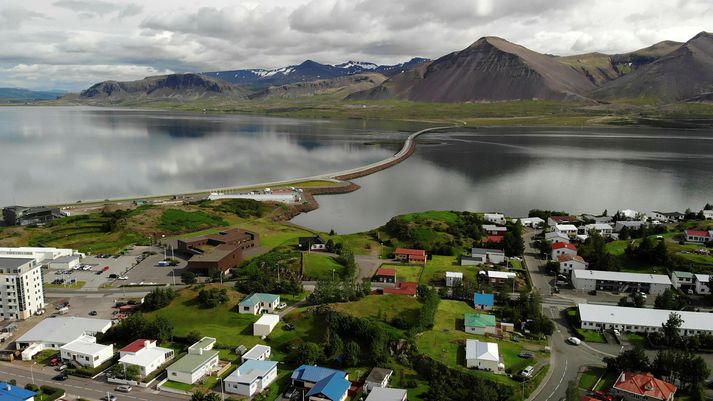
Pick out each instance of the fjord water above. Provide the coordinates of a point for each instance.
(64, 154)
(513, 170)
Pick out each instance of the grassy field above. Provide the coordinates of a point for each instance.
(321, 267)
(436, 268)
(440, 215)
(592, 336)
(384, 307)
(685, 251)
(590, 377)
(405, 272)
(360, 243)
(177, 220)
(446, 342)
(75, 285)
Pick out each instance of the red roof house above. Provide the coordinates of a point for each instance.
(642, 386)
(410, 255)
(563, 248)
(698, 235)
(403, 288)
(385, 275)
(495, 239)
(137, 345)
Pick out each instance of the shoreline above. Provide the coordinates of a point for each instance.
(340, 179)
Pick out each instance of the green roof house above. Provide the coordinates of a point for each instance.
(200, 361)
(257, 303)
(480, 323)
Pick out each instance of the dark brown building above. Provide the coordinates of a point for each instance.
(220, 251)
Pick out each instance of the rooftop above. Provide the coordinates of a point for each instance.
(644, 384)
(567, 258)
(386, 394)
(256, 351)
(560, 245)
(681, 274)
(565, 227)
(385, 271)
(136, 345)
(250, 371)
(484, 299)
(8, 392)
(475, 349)
(192, 362)
(495, 239)
(454, 275)
(62, 330)
(498, 274)
(313, 374)
(377, 375)
(403, 288)
(643, 316)
(622, 276)
(484, 251)
(268, 318)
(11, 264)
(255, 298)
(145, 356)
(479, 320)
(412, 252)
(333, 387)
(86, 345)
(493, 227)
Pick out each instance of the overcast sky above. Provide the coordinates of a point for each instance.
(71, 44)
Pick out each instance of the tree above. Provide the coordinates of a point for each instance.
(188, 277)
(193, 336)
(671, 327)
(670, 300)
(158, 298)
(632, 360)
(306, 353)
(625, 233)
(639, 300)
(572, 393)
(513, 243)
(212, 297)
(161, 328)
(352, 352)
(128, 372)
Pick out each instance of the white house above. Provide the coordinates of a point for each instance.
(563, 248)
(700, 236)
(387, 394)
(666, 217)
(702, 285)
(265, 324)
(21, 288)
(498, 278)
(259, 303)
(145, 355)
(641, 320)
(533, 222)
(479, 323)
(252, 377)
(629, 214)
(257, 353)
(605, 230)
(452, 278)
(56, 332)
(378, 377)
(708, 214)
(682, 280)
(556, 236)
(552, 221)
(492, 229)
(200, 361)
(64, 263)
(631, 225)
(497, 218)
(587, 280)
(568, 229)
(481, 256)
(482, 355)
(569, 263)
(86, 352)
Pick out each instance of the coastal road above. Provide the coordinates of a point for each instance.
(78, 387)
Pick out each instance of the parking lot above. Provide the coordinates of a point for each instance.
(138, 266)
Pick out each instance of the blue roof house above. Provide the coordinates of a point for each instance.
(483, 301)
(322, 383)
(8, 392)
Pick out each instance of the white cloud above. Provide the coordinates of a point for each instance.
(177, 35)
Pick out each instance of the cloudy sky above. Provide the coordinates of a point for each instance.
(70, 44)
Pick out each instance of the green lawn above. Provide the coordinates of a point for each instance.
(590, 377)
(440, 215)
(405, 272)
(385, 307)
(436, 268)
(359, 243)
(75, 285)
(321, 267)
(607, 381)
(637, 340)
(177, 220)
(178, 386)
(592, 336)
(446, 342)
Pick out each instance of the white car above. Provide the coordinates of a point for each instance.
(574, 341)
(122, 278)
(123, 388)
(282, 306)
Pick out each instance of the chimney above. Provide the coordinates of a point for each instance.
(147, 343)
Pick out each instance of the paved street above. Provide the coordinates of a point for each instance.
(76, 387)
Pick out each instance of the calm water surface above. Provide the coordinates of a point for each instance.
(514, 170)
(50, 155)
(64, 154)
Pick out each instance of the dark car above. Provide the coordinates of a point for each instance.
(60, 377)
(93, 313)
(113, 275)
(289, 326)
(526, 354)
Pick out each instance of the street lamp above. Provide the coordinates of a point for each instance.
(32, 373)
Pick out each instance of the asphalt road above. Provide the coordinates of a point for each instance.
(79, 387)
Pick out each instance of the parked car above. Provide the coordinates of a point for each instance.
(125, 388)
(282, 306)
(527, 372)
(123, 278)
(61, 368)
(60, 377)
(93, 313)
(109, 397)
(526, 354)
(54, 361)
(113, 275)
(599, 394)
(289, 326)
(574, 341)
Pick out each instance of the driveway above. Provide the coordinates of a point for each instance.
(368, 265)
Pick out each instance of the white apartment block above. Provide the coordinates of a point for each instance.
(21, 288)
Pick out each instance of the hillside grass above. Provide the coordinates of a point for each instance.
(177, 220)
(436, 268)
(321, 267)
(405, 272)
(383, 307)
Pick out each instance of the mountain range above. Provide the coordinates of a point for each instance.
(21, 94)
(490, 69)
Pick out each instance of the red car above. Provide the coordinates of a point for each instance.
(603, 396)
(54, 361)
(105, 268)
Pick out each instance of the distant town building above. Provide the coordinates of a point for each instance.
(21, 288)
(385, 275)
(378, 377)
(569, 263)
(387, 394)
(220, 251)
(620, 282)
(497, 218)
(23, 215)
(453, 278)
(410, 255)
(699, 236)
(314, 243)
(258, 303)
(563, 248)
(56, 332)
(641, 320)
(483, 301)
(9, 392)
(555, 220)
